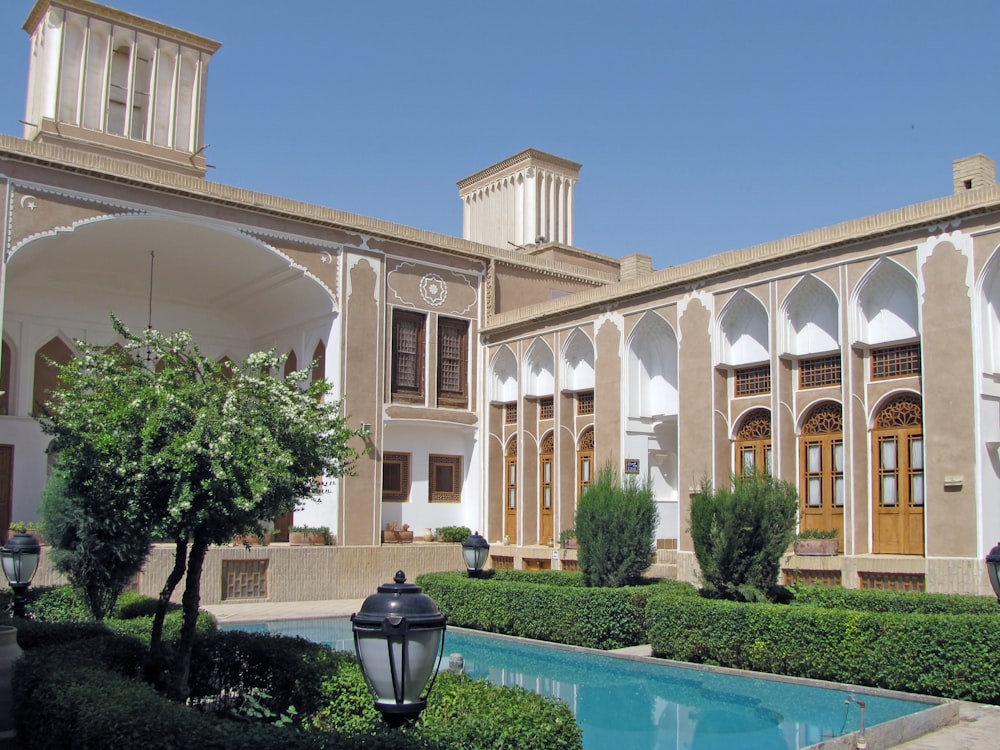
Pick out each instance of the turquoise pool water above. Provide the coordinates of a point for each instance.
(636, 705)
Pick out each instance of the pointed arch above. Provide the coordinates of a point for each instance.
(291, 363)
(6, 355)
(584, 460)
(578, 363)
(885, 306)
(503, 377)
(539, 369)
(651, 369)
(510, 494)
(318, 362)
(546, 487)
(752, 442)
(811, 317)
(898, 475)
(990, 314)
(822, 483)
(55, 351)
(743, 331)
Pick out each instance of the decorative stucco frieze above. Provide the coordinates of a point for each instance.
(424, 288)
(35, 211)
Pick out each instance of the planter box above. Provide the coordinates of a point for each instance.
(306, 538)
(815, 547)
(390, 537)
(405, 536)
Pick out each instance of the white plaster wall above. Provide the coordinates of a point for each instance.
(420, 441)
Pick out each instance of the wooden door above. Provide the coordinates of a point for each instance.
(821, 461)
(545, 474)
(510, 481)
(898, 473)
(753, 444)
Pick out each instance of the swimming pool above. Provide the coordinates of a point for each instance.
(646, 705)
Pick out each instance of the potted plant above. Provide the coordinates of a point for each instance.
(405, 535)
(309, 536)
(567, 538)
(815, 542)
(391, 533)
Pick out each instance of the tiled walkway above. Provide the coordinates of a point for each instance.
(978, 727)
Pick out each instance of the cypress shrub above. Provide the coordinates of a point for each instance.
(615, 529)
(741, 533)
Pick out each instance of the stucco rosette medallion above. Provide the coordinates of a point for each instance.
(433, 289)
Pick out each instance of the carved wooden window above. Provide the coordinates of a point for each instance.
(510, 413)
(510, 486)
(396, 477)
(407, 355)
(895, 361)
(820, 371)
(453, 362)
(750, 381)
(545, 408)
(584, 403)
(823, 457)
(753, 443)
(585, 460)
(445, 476)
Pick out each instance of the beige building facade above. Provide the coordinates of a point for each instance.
(498, 371)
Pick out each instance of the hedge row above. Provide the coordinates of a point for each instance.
(79, 685)
(604, 618)
(870, 600)
(954, 656)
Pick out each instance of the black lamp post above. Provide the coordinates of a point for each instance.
(993, 568)
(20, 561)
(399, 639)
(476, 551)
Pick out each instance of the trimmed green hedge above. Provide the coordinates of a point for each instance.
(870, 600)
(79, 684)
(87, 694)
(604, 618)
(953, 656)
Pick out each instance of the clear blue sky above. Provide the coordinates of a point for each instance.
(701, 126)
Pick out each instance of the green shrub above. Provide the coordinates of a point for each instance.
(550, 577)
(740, 535)
(604, 618)
(871, 600)
(952, 656)
(615, 529)
(454, 533)
(518, 718)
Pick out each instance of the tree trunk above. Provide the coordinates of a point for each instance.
(178, 688)
(155, 665)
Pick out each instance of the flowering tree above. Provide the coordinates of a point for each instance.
(194, 450)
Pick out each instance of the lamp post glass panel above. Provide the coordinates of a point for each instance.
(993, 568)
(399, 640)
(476, 551)
(20, 561)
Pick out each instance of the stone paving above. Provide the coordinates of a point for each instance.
(977, 728)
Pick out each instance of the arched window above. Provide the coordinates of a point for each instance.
(46, 373)
(585, 460)
(898, 474)
(753, 443)
(821, 478)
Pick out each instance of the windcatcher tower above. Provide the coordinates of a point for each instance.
(524, 200)
(115, 84)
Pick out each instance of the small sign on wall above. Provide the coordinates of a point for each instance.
(631, 465)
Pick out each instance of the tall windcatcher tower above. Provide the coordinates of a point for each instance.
(113, 83)
(524, 200)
